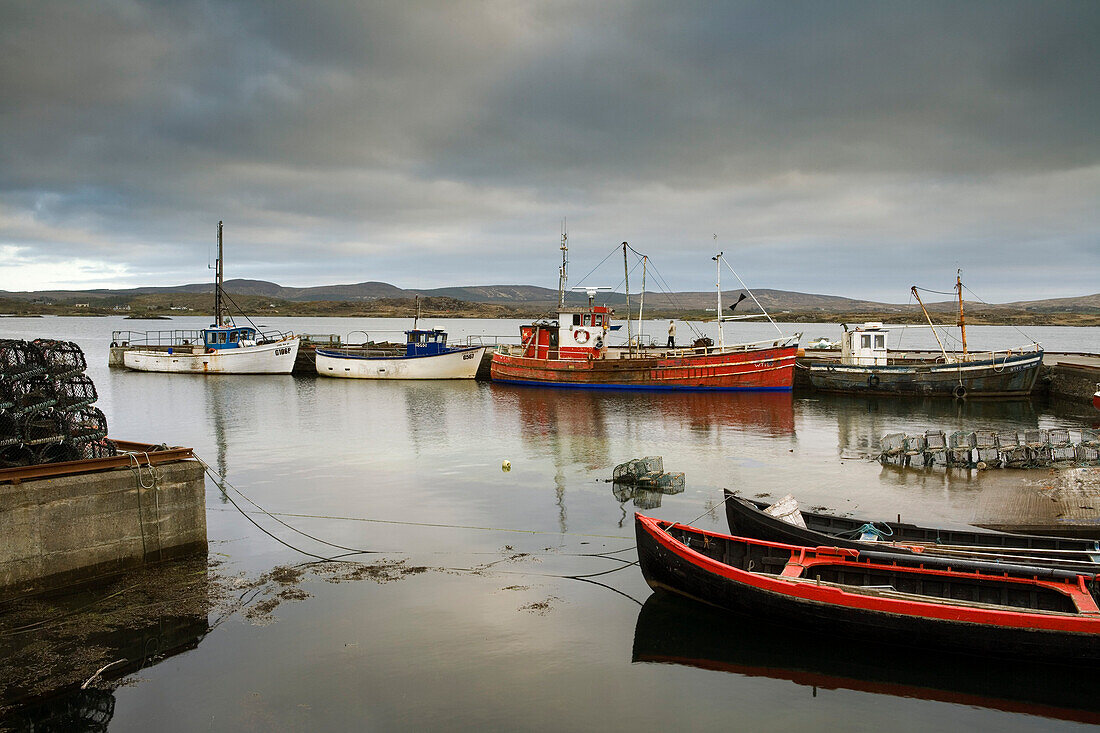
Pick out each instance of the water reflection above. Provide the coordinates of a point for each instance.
(644, 499)
(861, 421)
(51, 646)
(546, 413)
(675, 630)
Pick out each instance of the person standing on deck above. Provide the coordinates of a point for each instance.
(672, 334)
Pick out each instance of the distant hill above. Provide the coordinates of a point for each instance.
(534, 298)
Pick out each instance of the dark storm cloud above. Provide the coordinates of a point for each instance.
(440, 143)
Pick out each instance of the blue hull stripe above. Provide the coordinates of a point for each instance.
(640, 388)
(403, 357)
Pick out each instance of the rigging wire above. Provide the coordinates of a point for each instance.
(605, 259)
(984, 303)
(754, 300)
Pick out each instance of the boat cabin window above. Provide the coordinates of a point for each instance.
(233, 336)
(598, 320)
(576, 319)
(865, 341)
(880, 341)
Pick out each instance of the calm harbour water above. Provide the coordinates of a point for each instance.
(413, 470)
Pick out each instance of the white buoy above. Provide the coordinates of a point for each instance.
(506, 466)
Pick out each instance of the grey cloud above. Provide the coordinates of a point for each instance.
(448, 139)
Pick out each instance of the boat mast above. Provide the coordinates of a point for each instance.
(563, 275)
(718, 267)
(930, 324)
(417, 316)
(962, 321)
(626, 276)
(218, 275)
(641, 301)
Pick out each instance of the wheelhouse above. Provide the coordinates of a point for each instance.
(579, 333)
(864, 345)
(425, 342)
(229, 337)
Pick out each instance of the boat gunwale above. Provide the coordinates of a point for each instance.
(806, 591)
(333, 354)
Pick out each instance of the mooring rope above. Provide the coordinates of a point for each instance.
(222, 483)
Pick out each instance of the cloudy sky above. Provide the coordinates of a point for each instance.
(849, 148)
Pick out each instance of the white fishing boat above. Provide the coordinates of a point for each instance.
(426, 356)
(226, 349)
(223, 348)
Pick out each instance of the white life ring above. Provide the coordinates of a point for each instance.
(581, 336)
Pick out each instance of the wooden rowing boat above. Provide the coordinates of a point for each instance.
(1003, 609)
(747, 518)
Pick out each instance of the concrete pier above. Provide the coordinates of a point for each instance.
(63, 529)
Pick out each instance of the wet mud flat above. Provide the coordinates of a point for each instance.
(63, 655)
(1058, 501)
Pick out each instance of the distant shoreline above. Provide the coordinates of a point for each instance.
(331, 309)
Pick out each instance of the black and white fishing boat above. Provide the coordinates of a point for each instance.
(866, 366)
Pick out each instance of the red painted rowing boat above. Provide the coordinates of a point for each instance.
(958, 604)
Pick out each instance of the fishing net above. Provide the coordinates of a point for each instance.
(61, 358)
(74, 392)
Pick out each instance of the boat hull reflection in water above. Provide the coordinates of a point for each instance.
(675, 630)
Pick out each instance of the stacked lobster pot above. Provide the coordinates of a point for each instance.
(986, 452)
(935, 452)
(1088, 450)
(892, 447)
(961, 445)
(648, 473)
(1039, 447)
(46, 412)
(1012, 453)
(1034, 448)
(1061, 449)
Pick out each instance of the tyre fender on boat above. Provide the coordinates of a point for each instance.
(959, 392)
(598, 343)
(872, 381)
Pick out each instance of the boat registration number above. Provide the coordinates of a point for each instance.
(468, 355)
(282, 351)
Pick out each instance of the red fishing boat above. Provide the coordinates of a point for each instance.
(923, 601)
(572, 351)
